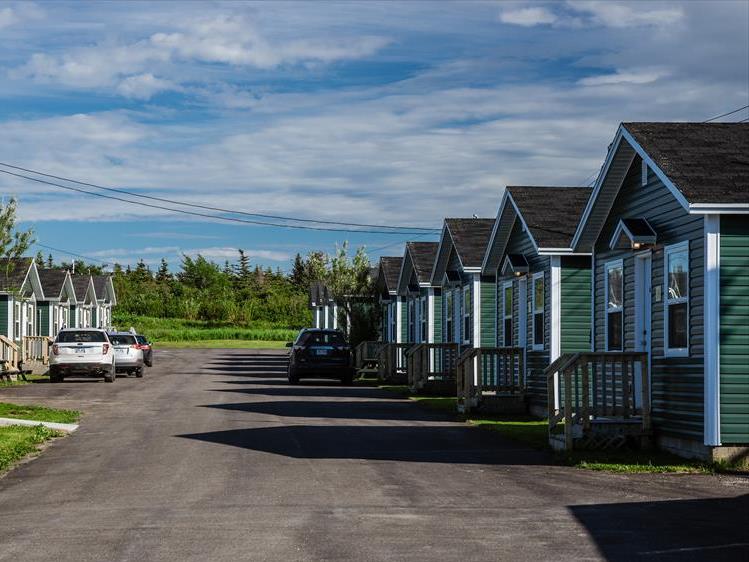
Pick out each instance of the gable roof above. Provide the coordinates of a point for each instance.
(104, 287)
(81, 285)
(704, 165)
(706, 162)
(53, 282)
(13, 272)
(550, 213)
(422, 255)
(389, 271)
(470, 238)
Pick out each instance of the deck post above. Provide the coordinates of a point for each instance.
(568, 445)
(645, 393)
(586, 396)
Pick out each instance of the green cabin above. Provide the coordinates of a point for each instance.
(421, 299)
(468, 296)
(542, 300)
(54, 310)
(20, 290)
(668, 228)
(393, 311)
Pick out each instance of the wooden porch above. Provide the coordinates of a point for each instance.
(391, 363)
(431, 368)
(35, 352)
(492, 379)
(593, 400)
(9, 359)
(367, 358)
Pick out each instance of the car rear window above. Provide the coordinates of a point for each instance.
(141, 339)
(316, 338)
(122, 340)
(83, 336)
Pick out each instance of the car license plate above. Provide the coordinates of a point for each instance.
(322, 351)
(122, 351)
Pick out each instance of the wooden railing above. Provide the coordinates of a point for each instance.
(583, 388)
(367, 353)
(431, 362)
(9, 357)
(35, 348)
(392, 362)
(498, 370)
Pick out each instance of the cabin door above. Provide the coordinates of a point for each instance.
(643, 303)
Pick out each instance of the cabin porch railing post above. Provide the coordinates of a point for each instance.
(585, 395)
(568, 435)
(645, 389)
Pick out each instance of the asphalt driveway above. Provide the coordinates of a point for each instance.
(212, 456)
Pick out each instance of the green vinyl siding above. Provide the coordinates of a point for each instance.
(43, 315)
(94, 320)
(734, 330)
(437, 317)
(575, 305)
(488, 313)
(5, 305)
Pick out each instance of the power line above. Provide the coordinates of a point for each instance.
(726, 114)
(374, 250)
(68, 253)
(204, 215)
(211, 208)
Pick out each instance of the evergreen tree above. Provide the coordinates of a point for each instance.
(50, 261)
(39, 259)
(163, 273)
(298, 273)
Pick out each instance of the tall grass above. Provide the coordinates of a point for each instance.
(179, 329)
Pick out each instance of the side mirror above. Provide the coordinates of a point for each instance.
(289, 344)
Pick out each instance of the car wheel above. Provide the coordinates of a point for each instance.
(347, 379)
(293, 377)
(139, 373)
(111, 375)
(55, 375)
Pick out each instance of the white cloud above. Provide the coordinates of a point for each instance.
(19, 12)
(144, 86)
(633, 76)
(228, 253)
(528, 17)
(615, 14)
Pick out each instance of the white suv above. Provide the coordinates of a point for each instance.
(85, 351)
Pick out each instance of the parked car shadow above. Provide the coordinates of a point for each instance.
(438, 444)
(708, 529)
(362, 410)
(329, 390)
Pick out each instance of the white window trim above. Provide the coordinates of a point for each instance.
(505, 286)
(465, 335)
(606, 266)
(667, 251)
(712, 435)
(535, 346)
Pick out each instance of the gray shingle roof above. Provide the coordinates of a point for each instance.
(52, 281)
(13, 272)
(423, 255)
(390, 268)
(80, 284)
(551, 213)
(100, 283)
(470, 236)
(707, 162)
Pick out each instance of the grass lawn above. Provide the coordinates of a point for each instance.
(18, 441)
(534, 432)
(20, 381)
(178, 330)
(221, 344)
(38, 413)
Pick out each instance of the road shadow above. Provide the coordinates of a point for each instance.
(433, 444)
(340, 409)
(317, 390)
(715, 529)
(257, 369)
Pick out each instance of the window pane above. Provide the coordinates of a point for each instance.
(615, 331)
(538, 294)
(538, 329)
(677, 325)
(466, 300)
(615, 287)
(508, 301)
(678, 277)
(508, 332)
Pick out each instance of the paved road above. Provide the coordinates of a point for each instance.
(212, 456)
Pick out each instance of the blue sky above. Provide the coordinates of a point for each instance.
(388, 113)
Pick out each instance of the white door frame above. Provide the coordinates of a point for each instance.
(643, 316)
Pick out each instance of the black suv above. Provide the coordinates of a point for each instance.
(320, 354)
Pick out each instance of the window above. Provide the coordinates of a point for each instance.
(449, 317)
(411, 321)
(467, 314)
(81, 336)
(644, 174)
(423, 318)
(56, 319)
(30, 320)
(507, 314)
(677, 299)
(614, 306)
(17, 320)
(538, 311)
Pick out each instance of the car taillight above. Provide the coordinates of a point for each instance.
(105, 348)
(55, 349)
